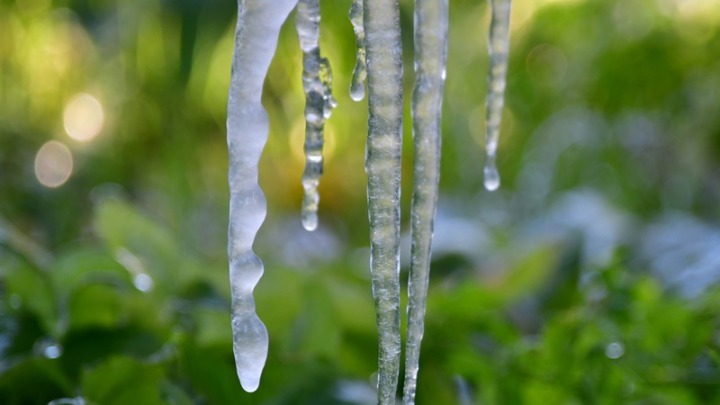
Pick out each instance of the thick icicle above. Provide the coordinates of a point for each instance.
(498, 46)
(256, 38)
(357, 88)
(431, 27)
(319, 102)
(385, 79)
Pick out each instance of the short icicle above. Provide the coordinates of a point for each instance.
(384, 149)
(431, 28)
(319, 102)
(498, 47)
(357, 88)
(256, 37)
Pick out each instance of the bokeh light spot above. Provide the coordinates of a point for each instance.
(83, 117)
(53, 164)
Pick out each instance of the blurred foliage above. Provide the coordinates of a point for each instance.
(113, 285)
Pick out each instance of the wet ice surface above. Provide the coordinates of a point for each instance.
(319, 102)
(383, 164)
(499, 47)
(431, 27)
(357, 88)
(247, 125)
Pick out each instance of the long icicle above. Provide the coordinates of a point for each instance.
(256, 37)
(319, 102)
(498, 47)
(431, 28)
(383, 160)
(357, 88)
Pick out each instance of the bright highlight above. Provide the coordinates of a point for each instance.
(53, 164)
(83, 117)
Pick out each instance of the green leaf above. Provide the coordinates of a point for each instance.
(34, 380)
(211, 374)
(159, 254)
(213, 326)
(95, 305)
(317, 330)
(123, 381)
(81, 267)
(29, 288)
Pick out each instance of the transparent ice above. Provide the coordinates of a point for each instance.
(256, 38)
(431, 28)
(319, 102)
(498, 47)
(357, 88)
(381, 20)
(379, 60)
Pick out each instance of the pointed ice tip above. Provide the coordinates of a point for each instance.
(492, 178)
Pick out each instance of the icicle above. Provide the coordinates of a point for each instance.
(256, 38)
(431, 27)
(357, 88)
(385, 78)
(319, 102)
(498, 46)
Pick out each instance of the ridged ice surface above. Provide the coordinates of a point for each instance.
(357, 88)
(385, 77)
(498, 46)
(256, 38)
(319, 102)
(431, 28)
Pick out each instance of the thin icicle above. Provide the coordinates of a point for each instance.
(385, 77)
(498, 46)
(256, 38)
(357, 88)
(431, 28)
(319, 102)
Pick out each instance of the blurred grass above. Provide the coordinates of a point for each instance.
(621, 98)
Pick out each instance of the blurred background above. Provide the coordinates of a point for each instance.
(590, 277)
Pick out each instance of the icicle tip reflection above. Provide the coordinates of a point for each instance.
(492, 177)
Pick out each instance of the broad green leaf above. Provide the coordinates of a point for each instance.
(95, 305)
(28, 287)
(81, 267)
(159, 254)
(34, 380)
(123, 381)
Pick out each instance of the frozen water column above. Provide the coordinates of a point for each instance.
(381, 20)
(256, 37)
(431, 28)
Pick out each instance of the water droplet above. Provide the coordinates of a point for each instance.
(614, 350)
(492, 178)
(357, 91)
(52, 351)
(143, 282)
(310, 220)
(47, 347)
